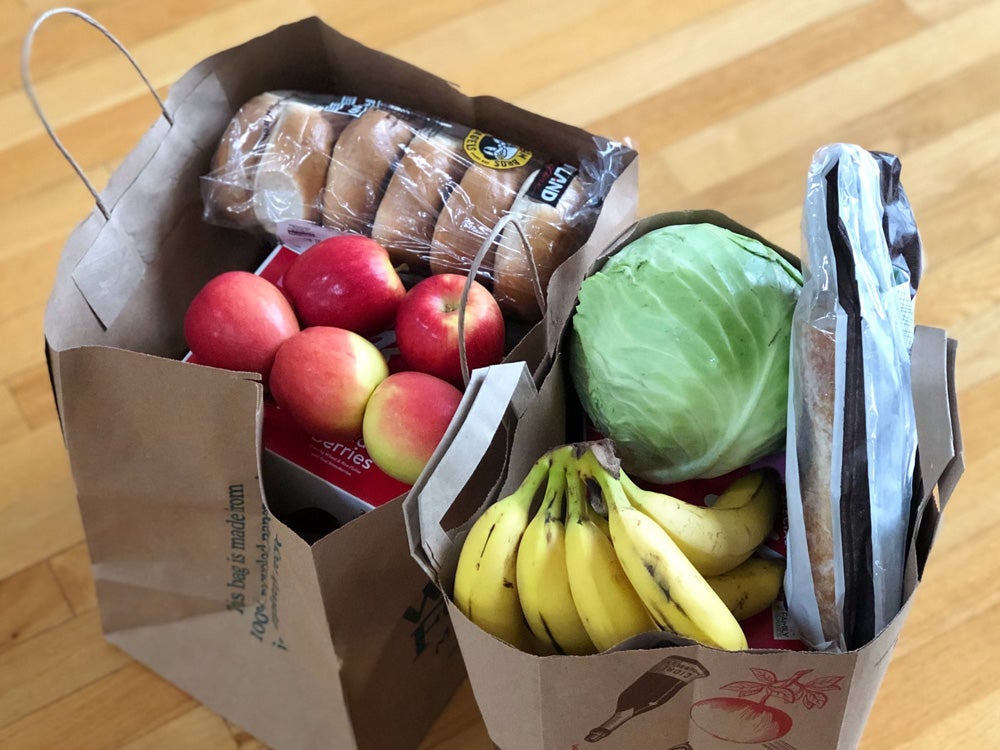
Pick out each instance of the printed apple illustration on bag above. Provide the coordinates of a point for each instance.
(237, 321)
(346, 281)
(739, 719)
(427, 327)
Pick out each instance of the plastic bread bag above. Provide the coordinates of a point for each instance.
(431, 192)
(272, 161)
(851, 440)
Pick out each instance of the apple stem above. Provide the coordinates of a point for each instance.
(788, 682)
(794, 678)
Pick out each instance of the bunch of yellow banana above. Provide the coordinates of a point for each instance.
(565, 579)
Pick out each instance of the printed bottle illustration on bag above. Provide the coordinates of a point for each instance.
(652, 689)
(740, 719)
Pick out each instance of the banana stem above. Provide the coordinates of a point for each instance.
(575, 511)
(531, 483)
(611, 487)
(555, 489)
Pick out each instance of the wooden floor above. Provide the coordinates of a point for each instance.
(725, 100)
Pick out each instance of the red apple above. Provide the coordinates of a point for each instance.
(237, 321)
(346, 281)
(405, 420)
(427, 327)
(323, 377)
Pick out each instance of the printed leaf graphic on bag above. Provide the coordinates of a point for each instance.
(743, 689)
(738, 719)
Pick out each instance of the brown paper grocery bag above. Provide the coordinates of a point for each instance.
(342, 643)
(651, 692)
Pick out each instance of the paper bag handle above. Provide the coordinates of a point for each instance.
(492, 391)
(29, 88)
(477, 261)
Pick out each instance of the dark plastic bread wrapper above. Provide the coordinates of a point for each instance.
(852, 440)
(430, 191)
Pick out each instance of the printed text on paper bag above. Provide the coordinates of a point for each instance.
(432, 627)
(252, 587)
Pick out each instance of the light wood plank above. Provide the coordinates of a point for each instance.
(109, 80)
(723, 91)
(42, 522)
(548, 45)
(815, 111)
(966, 218)
(47, 216)
(970, 520)
(956, 677)
(381, 23)
(12, 421)
(26, 275)
(16, 19)
(50, 666)
(30, 602)
(65, 42)
(96, 142)
(918, 128)
(945, 181)
(945, 607)
(962, 728)
(962, 287)
(38, 455)
(953, 198)
(937, 10)
(23, 338)
(460, 725)
(660, 190)
(675, 57)
(39, 516)
(32, 390)
(979, 336)
(107, 713)
(243, 739)
(75, 578)
(198, 728)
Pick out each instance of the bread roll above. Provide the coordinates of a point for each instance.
(469, 215)
(229, 183)
(362, 163)
(554, 232)
(292, 171)
(426, 174)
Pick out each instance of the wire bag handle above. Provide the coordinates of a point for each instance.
(29, 88)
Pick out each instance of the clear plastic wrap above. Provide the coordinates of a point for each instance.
(851, 430)
(430, 191)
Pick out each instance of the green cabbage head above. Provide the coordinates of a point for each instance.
(679, 351)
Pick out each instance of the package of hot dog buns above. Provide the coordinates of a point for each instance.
(439, 196)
